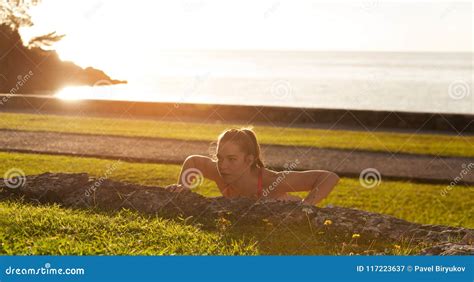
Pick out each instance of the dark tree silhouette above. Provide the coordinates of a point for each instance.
(46, 40)
(15, 13)
(30, 68)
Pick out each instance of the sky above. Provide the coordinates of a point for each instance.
(115, 34)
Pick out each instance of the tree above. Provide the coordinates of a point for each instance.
(44, 69)
(15, 15)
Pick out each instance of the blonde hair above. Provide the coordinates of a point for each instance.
(246, 139)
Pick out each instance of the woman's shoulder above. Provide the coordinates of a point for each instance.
(271, 180)
(206, 166)
(270, 174)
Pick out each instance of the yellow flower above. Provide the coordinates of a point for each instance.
(327, 222)
(355, 235)
(397, 247)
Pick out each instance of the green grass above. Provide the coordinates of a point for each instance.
(443, 145)
(26, 228)
(42, 230)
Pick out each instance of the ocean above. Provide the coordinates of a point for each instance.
(409, 82)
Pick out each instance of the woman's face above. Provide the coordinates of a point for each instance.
(232, 162)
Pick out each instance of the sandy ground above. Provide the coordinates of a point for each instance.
(420, 168)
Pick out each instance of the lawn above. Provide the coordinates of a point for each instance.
(31, 229)
(47, 230)
(442, 145)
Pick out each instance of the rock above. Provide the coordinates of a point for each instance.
(468, 237)
(448, 249)
(81, 191)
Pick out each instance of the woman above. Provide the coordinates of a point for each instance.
(239, 172)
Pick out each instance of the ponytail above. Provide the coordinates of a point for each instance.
(256, 147)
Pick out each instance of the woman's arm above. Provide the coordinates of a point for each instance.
(196, 166)
(319, 183)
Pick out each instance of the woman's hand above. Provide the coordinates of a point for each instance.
(319, 183)
(177, 188)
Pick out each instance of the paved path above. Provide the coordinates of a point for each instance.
(420, 168)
